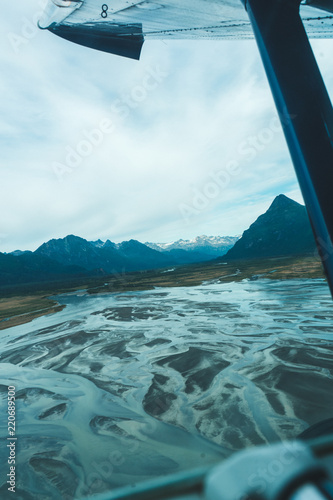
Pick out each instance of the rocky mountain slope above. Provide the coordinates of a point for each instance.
(283, 230)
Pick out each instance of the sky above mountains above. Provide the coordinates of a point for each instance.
(181, 143)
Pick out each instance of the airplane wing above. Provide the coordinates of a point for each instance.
(121, 26)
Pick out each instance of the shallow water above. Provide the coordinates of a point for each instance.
(120, 388)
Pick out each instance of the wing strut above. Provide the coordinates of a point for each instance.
(304, 108)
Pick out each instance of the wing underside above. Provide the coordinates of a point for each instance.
(122, 26)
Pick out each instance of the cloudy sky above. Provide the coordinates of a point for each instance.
(183, 142)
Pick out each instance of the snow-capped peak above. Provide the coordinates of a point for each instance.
(215, 242)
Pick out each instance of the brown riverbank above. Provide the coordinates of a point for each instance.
(23, 303)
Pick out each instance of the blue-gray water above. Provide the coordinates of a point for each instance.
(120, 388)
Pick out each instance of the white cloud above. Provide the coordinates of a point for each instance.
(211, 105)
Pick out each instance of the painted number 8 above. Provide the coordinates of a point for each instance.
(105, 9)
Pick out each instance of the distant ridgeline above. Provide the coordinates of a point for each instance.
(74, 257)
(283, 230)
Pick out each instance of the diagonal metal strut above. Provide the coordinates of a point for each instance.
(304, 108)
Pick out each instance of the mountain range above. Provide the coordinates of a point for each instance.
(72, 256)
(283, 230)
